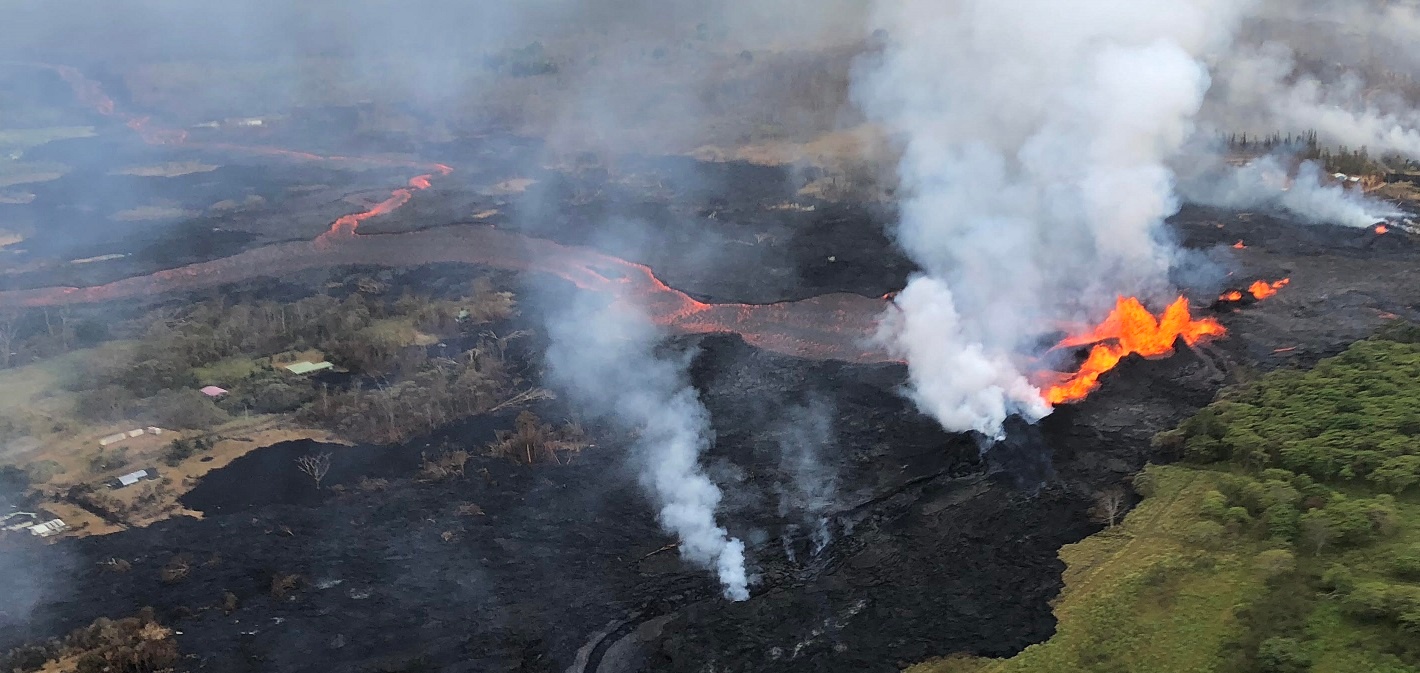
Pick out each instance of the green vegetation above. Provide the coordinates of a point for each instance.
(182, 449)
(1342, 159)
(1289, 541)
(241, 346)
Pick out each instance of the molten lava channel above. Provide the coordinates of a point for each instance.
(836, 326)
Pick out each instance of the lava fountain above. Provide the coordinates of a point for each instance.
(1130, 329)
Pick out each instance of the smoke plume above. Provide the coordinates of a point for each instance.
(1033, 175)
(1264, 184)
(803, 434)
(605, 358)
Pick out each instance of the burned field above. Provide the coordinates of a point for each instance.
(923, 546)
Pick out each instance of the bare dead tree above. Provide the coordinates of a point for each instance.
(9, 329)
(315, 465)
(1109, 505)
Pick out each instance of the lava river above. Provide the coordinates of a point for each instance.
(833, 326)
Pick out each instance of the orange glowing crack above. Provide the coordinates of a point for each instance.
(1259, 290)
(1239, 246)
(1130, 329)
(1262, 289)
(91, 93)
(1381, 229)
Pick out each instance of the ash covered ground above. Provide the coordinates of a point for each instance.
(924, 546)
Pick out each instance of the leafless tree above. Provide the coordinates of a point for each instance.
(9, 328)
(315, 465)
(1109, 505)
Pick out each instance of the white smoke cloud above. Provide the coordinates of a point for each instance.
(605, 358)
(1033, 174)
(1262, 88)
(1264, 184)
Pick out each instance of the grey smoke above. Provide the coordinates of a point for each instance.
(1033, 175)
(605, 358)
(804, 433)
(1263, 184)
(1263, 88)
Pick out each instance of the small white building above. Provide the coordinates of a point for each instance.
(48, 528)
(132, 478)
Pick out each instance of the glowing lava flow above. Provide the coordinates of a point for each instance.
(1262, 289)
(1259, 290)
(836, 326)
(1130, 329)
(1381, 229)
(91, 93)
(1239, 246)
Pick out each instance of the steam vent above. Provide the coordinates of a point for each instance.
(844, 336)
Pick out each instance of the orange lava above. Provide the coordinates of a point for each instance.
(1263, 289)
(1232, 295)
(1130, 329)
(1239, 246)
(1381, 229)
(91, 93)
(835, 326)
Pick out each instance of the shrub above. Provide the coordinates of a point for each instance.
(1205, 534)
(1275, 562)
(532, 441)
(1282, 521)
(1338, 579)
(1405, 564)
(182, 449)
(105, 461)
(1382, 601)
(176, 569)
(1282, 655)
(282, 585)
(1214, 506)
(44, 471)
(444, 466)
(184, 409)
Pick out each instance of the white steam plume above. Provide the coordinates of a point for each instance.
(1034, 137)
(604, 357)
(1264, 184)
(1262, 88)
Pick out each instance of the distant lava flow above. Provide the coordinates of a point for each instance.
(835, 326)
(91, 94)
(1130, 329)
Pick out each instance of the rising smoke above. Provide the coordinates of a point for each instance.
(605, 359)
(1335, 67)
(1033, 175)
(1265, 184)
(804, 432)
